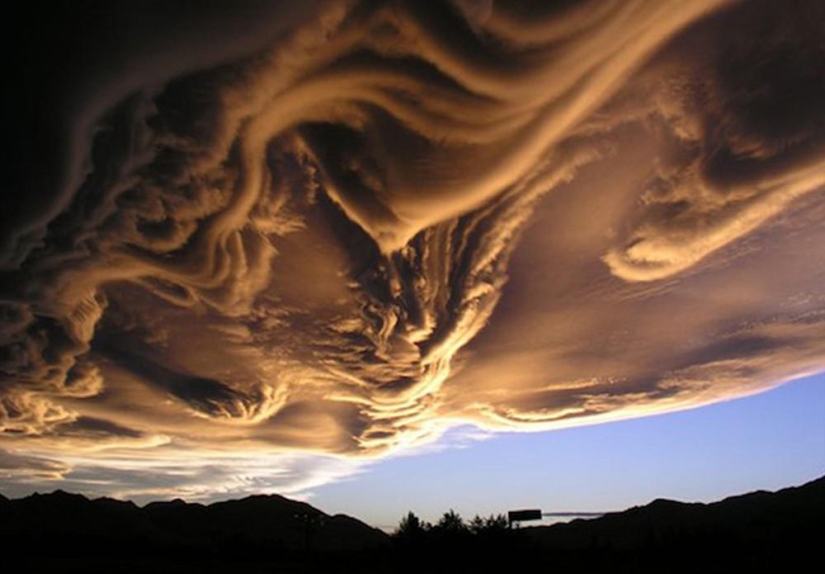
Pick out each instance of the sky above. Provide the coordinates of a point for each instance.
(767, 441)
(305, 249)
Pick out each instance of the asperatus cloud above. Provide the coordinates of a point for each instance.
(242, 237)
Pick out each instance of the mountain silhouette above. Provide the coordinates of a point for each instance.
(755, 532)
(71, 530)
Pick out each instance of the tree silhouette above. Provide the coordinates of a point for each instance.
(410, 526)
(493, 523)
(451, 522)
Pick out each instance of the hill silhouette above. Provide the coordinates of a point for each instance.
(71, 530)
(756, 532)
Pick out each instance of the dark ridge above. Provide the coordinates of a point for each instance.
(69, 530)
(755, 532)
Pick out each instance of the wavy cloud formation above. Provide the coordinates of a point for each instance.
(343, 229)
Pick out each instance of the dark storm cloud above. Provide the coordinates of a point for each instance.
(344, 229)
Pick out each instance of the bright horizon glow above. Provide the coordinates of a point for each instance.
(768, 441)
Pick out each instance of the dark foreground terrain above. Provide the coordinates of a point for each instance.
(756, 532)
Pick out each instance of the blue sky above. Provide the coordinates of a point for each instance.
(247, 248)
(766, 441)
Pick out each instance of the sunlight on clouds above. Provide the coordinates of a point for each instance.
(284, 254)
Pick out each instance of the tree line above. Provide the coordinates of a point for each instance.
(450, 522)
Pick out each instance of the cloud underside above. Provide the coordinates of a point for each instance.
(388, 219)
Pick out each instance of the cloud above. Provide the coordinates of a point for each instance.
(750, 138)
(337, 232)
(21, 469)
(166, 475)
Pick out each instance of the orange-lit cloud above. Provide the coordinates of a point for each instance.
(342, 233)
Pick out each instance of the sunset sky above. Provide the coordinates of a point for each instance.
(392, 255)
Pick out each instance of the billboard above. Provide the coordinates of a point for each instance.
(522, 515)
